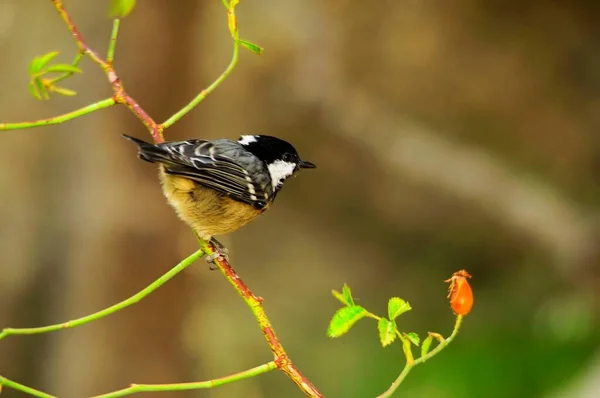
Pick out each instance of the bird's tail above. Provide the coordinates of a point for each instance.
(150, 152)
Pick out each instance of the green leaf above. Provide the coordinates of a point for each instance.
(345, 297)
(39, 86)
(120, 8)
(340, 297)
(426, 345)
(387, 331)
(251, 46)
(38, 63)
(396, 307)
(63, 68)
(64, 91)
(347, 293)
(33, 91)
(343, 320)
(413, 337)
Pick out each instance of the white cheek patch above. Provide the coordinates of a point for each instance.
(247, 139)
(279, 171)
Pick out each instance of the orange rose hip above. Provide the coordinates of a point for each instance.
(460, 293)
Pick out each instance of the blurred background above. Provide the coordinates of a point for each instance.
(447, 135)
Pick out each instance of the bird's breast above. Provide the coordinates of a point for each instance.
(207, 211)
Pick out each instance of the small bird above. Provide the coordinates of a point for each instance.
(218, 186)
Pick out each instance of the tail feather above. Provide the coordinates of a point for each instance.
(150, 152)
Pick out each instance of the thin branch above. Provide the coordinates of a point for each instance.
(204, 93)
(283, 361)
(23, 388)
(60, 118)
(107, 311)
(66, 17)
(121, 97)
(199, 385)
(409, 365)
(110, 55)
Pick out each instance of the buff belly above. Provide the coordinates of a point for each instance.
(205, 210)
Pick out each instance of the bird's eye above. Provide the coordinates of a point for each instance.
(287, 157)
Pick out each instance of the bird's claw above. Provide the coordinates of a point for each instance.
(220, 254)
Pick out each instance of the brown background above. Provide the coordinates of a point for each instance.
(447, 135)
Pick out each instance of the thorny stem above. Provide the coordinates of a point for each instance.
(282, 359)
(409, 365)
(107, 311)
(121, 96)
(136, 388)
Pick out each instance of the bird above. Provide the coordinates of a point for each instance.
(218, 186)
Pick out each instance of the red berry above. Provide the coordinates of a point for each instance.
(460, 293)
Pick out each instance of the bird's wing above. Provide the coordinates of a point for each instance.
(222, 165)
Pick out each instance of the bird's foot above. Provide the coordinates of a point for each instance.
(220, 253)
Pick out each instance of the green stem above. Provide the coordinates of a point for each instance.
(60, 118)
(110, 55)
(408, 367)
(204, 93)
(107, 311)
(136, 388)
(20, 387)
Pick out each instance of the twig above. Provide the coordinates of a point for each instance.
(107, 311)
(23, 388)
(136, 388)
(110, 55)
(409, 365)
(121, 96)
(283, 361)
(204, 93)
(60, 118)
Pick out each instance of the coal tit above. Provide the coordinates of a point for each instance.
(218, 186)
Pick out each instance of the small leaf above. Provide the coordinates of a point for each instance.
(339, 296)
(347, 293)
(387, 331)
(251, 46)
(343, 320)
(33, 91)
(38, 63)
(64, 91)
(39, 85)
(396, 307)
(120, 8)
(413, 337)
(63, 68)
(426, 345)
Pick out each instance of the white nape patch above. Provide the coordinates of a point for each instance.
(247, 139)
(279, 171)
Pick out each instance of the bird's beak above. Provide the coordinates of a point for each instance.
(306, 165)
